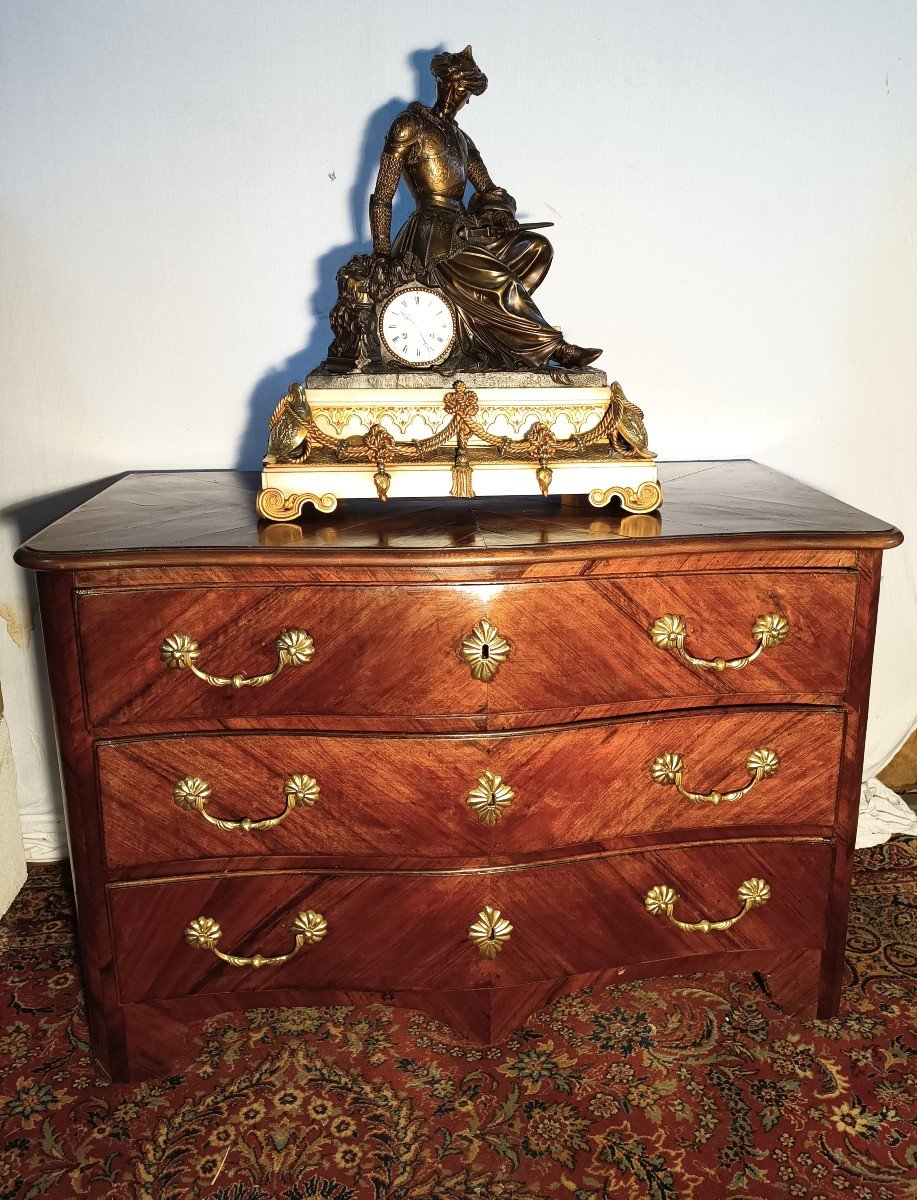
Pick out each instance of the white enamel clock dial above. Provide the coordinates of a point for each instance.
(417, 326)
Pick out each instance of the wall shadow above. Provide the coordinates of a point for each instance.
(28, 517)
(274, 383)
(31, 515)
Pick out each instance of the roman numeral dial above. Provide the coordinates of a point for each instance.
(417, 326)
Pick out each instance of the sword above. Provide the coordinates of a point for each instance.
(492, 230)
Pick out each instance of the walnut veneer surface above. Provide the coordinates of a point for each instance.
(602, 807)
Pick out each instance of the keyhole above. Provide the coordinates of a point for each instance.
(485, 651)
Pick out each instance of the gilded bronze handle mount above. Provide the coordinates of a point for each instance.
(179, 652)
(490, 798)
(308, 928)
(661, 900)
(670, 631)
(668, 770)
(484, 650)
(192, 794)
(490, 931)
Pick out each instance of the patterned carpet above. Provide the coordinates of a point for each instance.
(691, 1088)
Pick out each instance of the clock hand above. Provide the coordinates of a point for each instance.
(429, 348)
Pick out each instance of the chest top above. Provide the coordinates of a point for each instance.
(207, 518)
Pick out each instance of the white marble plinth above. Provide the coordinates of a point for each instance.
(472, 437)
(287, 492)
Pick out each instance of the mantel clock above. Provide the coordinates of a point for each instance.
(443, 377)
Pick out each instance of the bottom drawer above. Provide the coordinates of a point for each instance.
(400, 930)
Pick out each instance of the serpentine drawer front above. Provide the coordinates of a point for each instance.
(426, 651)
(229, 796)
(692, 636)
(459, 756)
(406, 641)
(415, 931)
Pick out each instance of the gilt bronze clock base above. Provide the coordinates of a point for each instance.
(287, 492)
(490, 434)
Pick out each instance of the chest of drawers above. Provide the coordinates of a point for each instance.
(458, 756)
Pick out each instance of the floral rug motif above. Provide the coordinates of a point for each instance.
(678, 1089)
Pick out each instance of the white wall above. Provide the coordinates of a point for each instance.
(733, 186)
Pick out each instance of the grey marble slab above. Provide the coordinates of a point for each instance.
(555, 378)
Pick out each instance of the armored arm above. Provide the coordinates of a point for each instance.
(477, 173)
(380, 203)
(399, 144)
(490, 205)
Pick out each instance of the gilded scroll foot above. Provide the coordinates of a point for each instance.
(644, 499)
(275, 505)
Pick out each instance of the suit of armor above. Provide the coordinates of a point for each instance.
(478, 257)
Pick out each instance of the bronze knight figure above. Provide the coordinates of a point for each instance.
(443, 378)
(478, 257)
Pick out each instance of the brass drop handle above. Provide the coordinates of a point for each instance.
(308, 928)
(660, 901)
(192, 794)
(484, 650)
(490, 798)
(179, 652)
(669, 633)
(490, 932)
(668, 770)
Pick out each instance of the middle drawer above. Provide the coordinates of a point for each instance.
(176, 799)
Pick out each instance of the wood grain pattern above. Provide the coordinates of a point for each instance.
(580, 644)
(477, 723)
(533, 571)
(391, 931)
(794, 984)
(394, 796)
(587, 644)
(867, 607)
(376, 650)
(196, 518)
(397, 732)
(158, 1035)
(84, 827)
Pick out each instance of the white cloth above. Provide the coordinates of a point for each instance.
(12, 851)
(882, 814)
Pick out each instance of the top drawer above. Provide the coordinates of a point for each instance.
(590, 643)
(396, 650)
(379, 649)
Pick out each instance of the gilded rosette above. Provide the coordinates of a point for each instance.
(295, 647)
(203, 933)
(770, 629)
(191, 794)
(310, 927)
(763, 763)
(301, 789)
(179, 651)
(754, 892)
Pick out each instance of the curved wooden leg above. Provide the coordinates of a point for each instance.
(155, 1043)
(793, 984)
(485, 1015)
